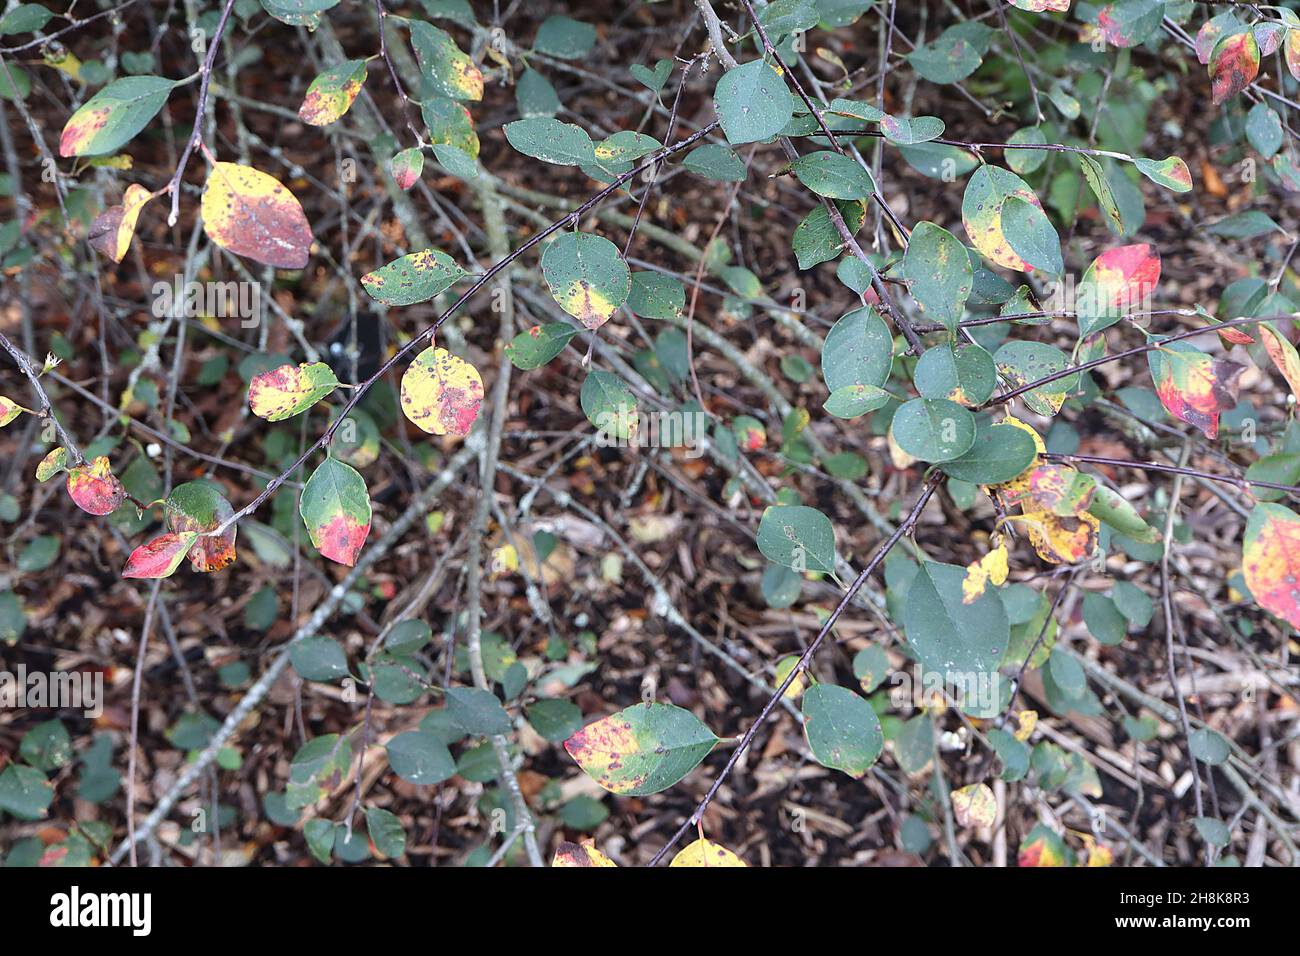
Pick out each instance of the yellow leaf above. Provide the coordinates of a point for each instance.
(1026, 721)
(580, 854)
(990, 569)
(704, 853)
(975, 806)
(441, 393)
(252, 214)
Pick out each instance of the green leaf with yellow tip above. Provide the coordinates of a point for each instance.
(448, 70)
(641, 750)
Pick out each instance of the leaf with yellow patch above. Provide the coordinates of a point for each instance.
(587, 277)
(449, 71)
(1283, 354)
(415, 277)
(990, 569)
(94, 488)
(1026, 721)
(1042, 847)
(705, 853)
(641, 750)
(53, 463)
(1193, 386)
(112, 231)
(1270, 560)
(112, 117)
(441, 393)
(251, 214)
(289, 390)
(332, 93)
(9, 410)
(197, 506)
(580, 854)
(1119, 281)
(974, 806)
(981, 213)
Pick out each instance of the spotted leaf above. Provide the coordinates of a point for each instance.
(441, 393)
(197, 506)
(981, 213)
(160, 557)
(1193, 386)
(1118, 282)
(113, 116)
(1041, 6)
(111, 232)
(580, 854)
(1270, 560)
(415, 277)
(1234, 64)
(332, 93)
(449, 71)
(706, 853)
(252, 214)
(335, 507)
(939, 273)
(587, 277)
(289, 390)
(94, 488)
(53, 463)
(641, 750)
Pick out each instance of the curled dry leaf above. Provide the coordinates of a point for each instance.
(112, 231)
(252, 214)
(441, 393)
(94, 488)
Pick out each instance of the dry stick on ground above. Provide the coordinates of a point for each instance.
(421, 504)
(359, 392)
(802, 665)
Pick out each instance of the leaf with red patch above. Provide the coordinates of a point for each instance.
(641, 750)
(332, 93)
(407, 166)
(1193, 386)
(9, 410)
(160, 557)
(112, 117)
(335, 507)
(1042, 847)
(1118, 282)
(1270, 560)
(94, 488)
(441, 393)
(1234, 64)
(252, 214)
(289, 390)
(1291, 47)
(197, 506)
